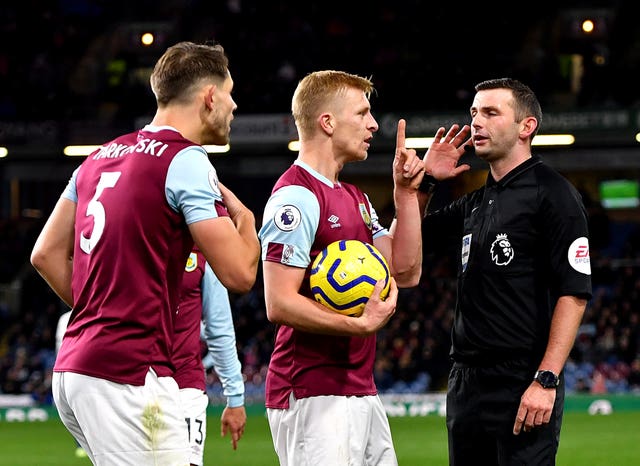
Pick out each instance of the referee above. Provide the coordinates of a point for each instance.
(524, 279)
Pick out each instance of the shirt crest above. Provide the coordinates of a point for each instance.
(365, 215)
(502, 252)
(192, 262)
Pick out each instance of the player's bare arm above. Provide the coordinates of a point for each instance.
(403, 247)
(52, 254)
(407, 166)
(233, 251)
(286, 306)
(238, 212)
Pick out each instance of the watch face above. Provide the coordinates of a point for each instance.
(547, 379)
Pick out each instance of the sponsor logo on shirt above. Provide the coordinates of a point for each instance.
(287, 218)
(578, 255)
(501, 251)
(192, 262)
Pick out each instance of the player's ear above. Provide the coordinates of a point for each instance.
(208, 95)
(327, 122)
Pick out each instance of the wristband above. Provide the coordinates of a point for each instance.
(428, 184)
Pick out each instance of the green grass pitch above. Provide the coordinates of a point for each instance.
(601, 440)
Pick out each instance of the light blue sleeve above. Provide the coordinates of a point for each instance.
(207, 360)
(192, 185)
(220, 336)
(70, 192)
(291, 219)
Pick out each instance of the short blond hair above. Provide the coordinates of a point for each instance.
(319, 88)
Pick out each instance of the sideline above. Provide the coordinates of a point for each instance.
(397, 405)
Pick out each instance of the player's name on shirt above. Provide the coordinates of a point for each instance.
(146, 146)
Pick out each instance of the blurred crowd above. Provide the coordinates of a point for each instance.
(412, 348)
(81, 59)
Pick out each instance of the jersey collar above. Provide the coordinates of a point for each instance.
(516, 172)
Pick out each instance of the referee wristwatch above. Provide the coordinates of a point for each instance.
(428, 184)
(547, 379)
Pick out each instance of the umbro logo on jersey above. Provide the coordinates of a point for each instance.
(335, 221)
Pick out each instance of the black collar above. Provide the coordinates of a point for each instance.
(517, 171)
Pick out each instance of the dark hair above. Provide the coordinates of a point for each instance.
(525, 102)
(182, 66)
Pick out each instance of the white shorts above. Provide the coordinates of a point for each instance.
(194, 404)
(119, 424)
(335, 430)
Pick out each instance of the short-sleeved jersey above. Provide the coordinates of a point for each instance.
(131, 245)
(63, 321)
(204, 300)
(522, 242)
(187, 356)
(304, 214)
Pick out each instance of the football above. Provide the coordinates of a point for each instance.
(344, 274)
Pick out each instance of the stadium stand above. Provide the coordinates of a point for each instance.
(80, 65)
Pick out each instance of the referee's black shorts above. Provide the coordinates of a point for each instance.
(482, 402)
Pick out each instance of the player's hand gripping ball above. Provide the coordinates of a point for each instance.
(344, 274)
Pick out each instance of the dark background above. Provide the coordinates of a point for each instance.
(73, 71)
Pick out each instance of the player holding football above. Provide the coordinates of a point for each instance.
(115, 247)
(321, 398)
(343, 275)
(204, 299)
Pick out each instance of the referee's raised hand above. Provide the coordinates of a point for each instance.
(442, 157)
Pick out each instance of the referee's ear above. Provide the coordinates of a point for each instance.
(528, 128)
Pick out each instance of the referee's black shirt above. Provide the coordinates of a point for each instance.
(521, 243)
